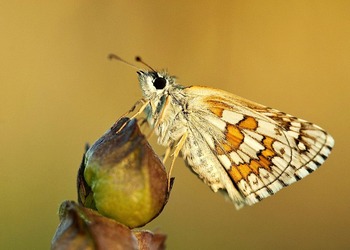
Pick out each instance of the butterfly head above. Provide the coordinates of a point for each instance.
(154, 83)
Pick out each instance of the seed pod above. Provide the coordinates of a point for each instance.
(123, 178)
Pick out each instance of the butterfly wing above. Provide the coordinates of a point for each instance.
(254, 150)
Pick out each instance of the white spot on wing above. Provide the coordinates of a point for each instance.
(232, 117)
(216, 122)
(263, 193)
(255, 182)
(297, 161)
(295, 129)
(275, 186)
(325, 151)
(312, 165)
(279, 162)
(225, 161)
(269, 129)
(243, 186)
(276, 170)
(319, 159)
(280, 147)
(314, 133)
(293, 134)
(308, 140)
(302, 172)
(247, 147)
(287, 179)
(243, 156)
(266, 176)
(252, 143)
(301, 146)
(209, 139)
(254, 135)
(295, 124)
(236, 158)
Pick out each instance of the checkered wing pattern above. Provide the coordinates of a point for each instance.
(259, 150)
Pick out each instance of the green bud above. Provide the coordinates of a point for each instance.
(123, 178)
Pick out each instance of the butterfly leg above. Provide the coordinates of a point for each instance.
(133, 107)
(144, 105)
(178, 147)
(141, 109)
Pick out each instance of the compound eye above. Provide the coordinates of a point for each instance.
(159, 83)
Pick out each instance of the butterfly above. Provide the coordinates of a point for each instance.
(247, 150)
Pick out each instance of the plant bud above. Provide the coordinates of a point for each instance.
(122, 177)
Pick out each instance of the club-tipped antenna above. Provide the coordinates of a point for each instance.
(115, 57)
(138, 59)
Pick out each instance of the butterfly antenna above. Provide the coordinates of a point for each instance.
(138, 59)
(115, 57)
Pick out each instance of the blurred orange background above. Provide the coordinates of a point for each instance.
(59, 91)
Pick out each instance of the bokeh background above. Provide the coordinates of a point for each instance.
(59, 91)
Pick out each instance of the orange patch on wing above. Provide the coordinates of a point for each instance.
(217, 104)
(233, 140)
(234, 136)
(268, 142)
(245, 170)
(242, 171)
(223, 148)
(255, 165)
(248, 123)
(265, 163)
(235, 174)
(267, 153)
(217, 111)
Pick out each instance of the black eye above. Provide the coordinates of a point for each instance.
(159, 83)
